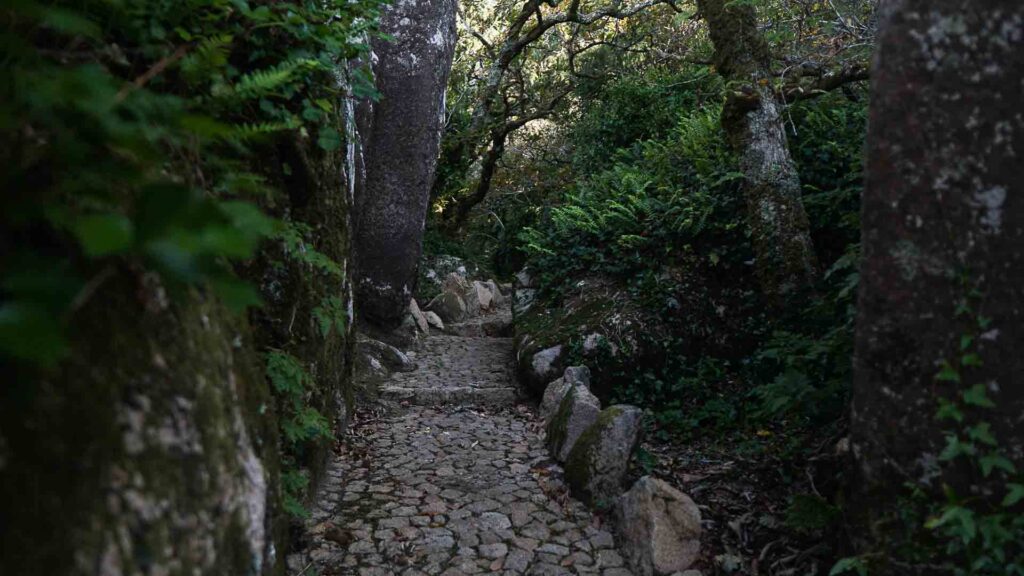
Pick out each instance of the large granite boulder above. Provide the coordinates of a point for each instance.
(401, 135)
(596, 466)
(659, 528)
(576, 413)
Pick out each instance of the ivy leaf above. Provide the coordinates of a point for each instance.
(959, 519)
(1015, 494)
(949, 411)
(104, 234)
(955, 447)
(971, 360)
(990, 462)
(965, 342)
(982, 432)
(977, 396)
(947, 373)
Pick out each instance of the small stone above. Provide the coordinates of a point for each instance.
(494, 521)
(418, 316)
(434, 320)
(498, 550)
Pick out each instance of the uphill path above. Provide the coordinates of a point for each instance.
(448, 475)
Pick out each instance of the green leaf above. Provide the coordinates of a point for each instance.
(947, 373)
(329, 139)
(1015, 494)
(965, 342)
(977, 395)
(847, 565)
(990, 462)
(236, 294)
(31, 333)
(949, 411)
(104, 234)
(982, 432)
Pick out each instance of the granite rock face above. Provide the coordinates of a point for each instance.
(401, 135)
(659, 527)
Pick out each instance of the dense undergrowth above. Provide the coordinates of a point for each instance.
(651, 202)
(656, 188)
(135, 135)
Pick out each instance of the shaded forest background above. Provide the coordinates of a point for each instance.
(682, 183)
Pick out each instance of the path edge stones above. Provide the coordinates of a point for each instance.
(653, 520)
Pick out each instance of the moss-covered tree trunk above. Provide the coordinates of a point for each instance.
(753, 123)
(941, 309)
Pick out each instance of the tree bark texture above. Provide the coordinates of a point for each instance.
(943, 225)
(401, 143)
(753, 123)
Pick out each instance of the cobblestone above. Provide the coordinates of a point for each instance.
(453, 479)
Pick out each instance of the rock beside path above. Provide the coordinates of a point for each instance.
(553, 394)
(577, 412)
(659, 528)
(597, 465)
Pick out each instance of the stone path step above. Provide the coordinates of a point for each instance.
(457, 369)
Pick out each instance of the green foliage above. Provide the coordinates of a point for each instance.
(294, 484)
(330, 315)
(129, 130)
(656, 202)
(293, 384)
(299, 422)
(977, 534)
(642, 206)
(967, 516)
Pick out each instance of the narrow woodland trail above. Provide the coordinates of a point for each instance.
(449, 476)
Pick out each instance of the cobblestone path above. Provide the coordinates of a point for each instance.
(451, 480)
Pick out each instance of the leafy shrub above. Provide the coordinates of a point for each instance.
(128, 133)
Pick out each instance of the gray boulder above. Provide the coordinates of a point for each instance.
(577, 412)
(498, 297)
(597, 465)
(555, 391)
(400, 136)
(545, 365)
(482, 294)
(385, 354)
(449, 306)
(659, 528)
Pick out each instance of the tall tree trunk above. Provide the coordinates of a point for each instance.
(943, 241)
(400, 153)
(752, 119)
